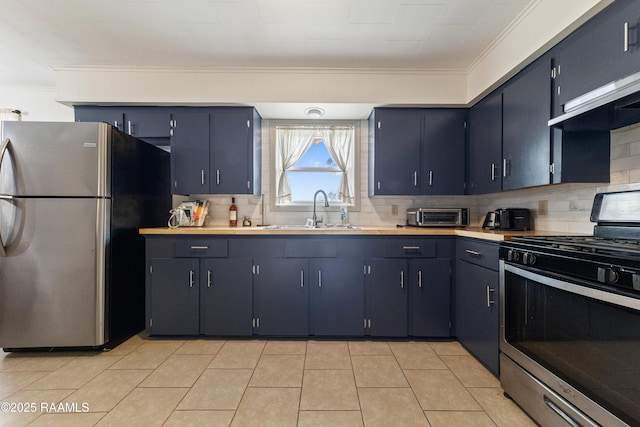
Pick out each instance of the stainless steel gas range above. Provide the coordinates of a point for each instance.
(570, 320)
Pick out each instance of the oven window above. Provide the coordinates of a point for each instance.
(590, 344)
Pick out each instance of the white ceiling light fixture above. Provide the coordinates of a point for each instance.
(314, 112)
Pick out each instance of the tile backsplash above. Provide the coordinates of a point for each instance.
(568, 205)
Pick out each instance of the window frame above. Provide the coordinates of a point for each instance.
(307, 206)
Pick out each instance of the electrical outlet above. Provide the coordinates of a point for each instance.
(394, 210)
(543, 207)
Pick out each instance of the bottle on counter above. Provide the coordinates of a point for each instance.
(233, 213)
(344, 214)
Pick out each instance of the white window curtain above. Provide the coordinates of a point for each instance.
(292, 144)
(339, 143)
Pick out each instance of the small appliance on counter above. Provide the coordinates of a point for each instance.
(438, 217)
(517, 219)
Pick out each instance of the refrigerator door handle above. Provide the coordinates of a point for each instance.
(3, 150)
(3, 249)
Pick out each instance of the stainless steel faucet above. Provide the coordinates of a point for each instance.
(326, 205)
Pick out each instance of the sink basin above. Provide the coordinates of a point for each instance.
(306, 228)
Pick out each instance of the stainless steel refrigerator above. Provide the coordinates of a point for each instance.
(72, 197)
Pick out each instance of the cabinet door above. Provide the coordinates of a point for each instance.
(595, 53)
(226, 296)
(231, 145)
(526, 145)
(282, 296)
(396, 162)
(112, 115)
(477, 323)
(190, 153)
(430, 297)
(387, 282)
(174, 297)
(443, 147)
(485, 146)
(336, 297)
(147, 122)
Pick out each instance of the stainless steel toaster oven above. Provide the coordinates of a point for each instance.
(438, 217)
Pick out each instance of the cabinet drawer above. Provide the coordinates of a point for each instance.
(410, 248)
(479, 253)
(201, 248)
(311, 248)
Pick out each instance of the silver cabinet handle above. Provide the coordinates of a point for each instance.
(430, 178)
(202, 176)
(209, 279)
(218, 176)
(129, 127)
(402, 279)
(504, 168)
(415, 178)
(199, 248)
(493, 171)
(302, 278)
(191, 278)
(115, 123)
(319, 278)
(411, 248)
(489, 300)
(420, 278)
(474, 253)
(626, 37)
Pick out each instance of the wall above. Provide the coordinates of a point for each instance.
(36, 104)
(569, 205)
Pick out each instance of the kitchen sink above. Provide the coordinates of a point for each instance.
(308, 228)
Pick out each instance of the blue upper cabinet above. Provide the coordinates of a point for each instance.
(415, 151)
(605, 49)
(526, 144)
(443, 151)
(216, 150)
(151, 124)
(394, 151)
(485, 145)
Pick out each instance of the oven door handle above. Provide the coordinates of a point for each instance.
(555, 408)
(597, 294)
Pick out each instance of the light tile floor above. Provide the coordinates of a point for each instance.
(255, 383)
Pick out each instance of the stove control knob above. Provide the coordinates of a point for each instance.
(529, 258)
(513, 255)
(607, 275)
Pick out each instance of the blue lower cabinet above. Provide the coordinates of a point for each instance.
(297, 287)
(281, 292)
(173, 297)
(387, 281)
(226, 297)
(336, 300)
(430, 297)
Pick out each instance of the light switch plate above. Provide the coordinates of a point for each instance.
(394, 210)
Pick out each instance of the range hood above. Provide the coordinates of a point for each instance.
(608, 107)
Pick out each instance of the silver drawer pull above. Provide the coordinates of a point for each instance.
(411, 248)
(191, 278)
(474, 253)
(199, 248)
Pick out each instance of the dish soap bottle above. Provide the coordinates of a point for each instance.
(233, 213)
(344, 214)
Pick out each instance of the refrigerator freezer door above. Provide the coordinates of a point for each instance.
(55, 159)
(52, 279)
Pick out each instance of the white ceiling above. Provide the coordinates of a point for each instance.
(36, 35)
